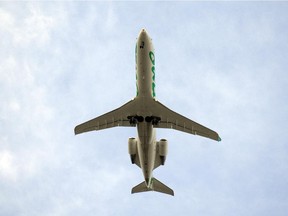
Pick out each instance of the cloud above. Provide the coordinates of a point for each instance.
(36, 126)
(25, 111)
(111, 18)
(62, 63)
(34, 28)
(7, 19)
(8, 169)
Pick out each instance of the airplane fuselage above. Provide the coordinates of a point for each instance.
(145, 83)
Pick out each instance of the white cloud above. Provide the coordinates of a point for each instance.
(7, 20)
(33, 29)
(111, 19)
(53, 70)
(8, 168)
(14, 106)
(25, 111)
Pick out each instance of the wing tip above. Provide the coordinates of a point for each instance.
(76, 130)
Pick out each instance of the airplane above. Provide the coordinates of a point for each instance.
(146, 114)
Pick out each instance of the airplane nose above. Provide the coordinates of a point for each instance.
(143, 36)
(142, 32)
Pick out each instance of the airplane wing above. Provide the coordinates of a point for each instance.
(171, 119)
(117, 117)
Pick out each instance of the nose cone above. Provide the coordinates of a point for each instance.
(143, 33)
(144, 41)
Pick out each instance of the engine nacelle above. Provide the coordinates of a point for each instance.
(163, 150)
(132, 149)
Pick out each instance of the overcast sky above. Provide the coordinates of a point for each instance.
(222, 64)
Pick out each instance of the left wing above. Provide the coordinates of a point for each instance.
(117, 117)
(171, 119)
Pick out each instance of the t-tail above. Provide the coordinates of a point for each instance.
(155, 185)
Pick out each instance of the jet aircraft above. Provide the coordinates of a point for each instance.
(146, 114)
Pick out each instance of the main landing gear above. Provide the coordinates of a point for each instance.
(135, 119)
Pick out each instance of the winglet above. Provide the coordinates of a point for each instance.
(219, 139)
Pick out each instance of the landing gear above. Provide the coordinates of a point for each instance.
(133, 120)
(154, 119)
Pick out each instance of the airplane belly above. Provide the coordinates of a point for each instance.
(144, 78)
(147, 150)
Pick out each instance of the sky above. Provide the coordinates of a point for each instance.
(222, 64)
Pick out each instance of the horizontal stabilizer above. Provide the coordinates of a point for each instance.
(142, 187)
(155, 186)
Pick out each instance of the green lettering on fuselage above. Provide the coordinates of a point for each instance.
(152, 58)
(137, 88)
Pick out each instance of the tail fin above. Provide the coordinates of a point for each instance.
(155, 186)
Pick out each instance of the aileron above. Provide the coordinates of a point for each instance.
(181, 123)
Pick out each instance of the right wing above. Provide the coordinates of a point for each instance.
(117, 117)
(171, 119)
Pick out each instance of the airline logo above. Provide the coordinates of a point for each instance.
(152, 58)
(137, 89)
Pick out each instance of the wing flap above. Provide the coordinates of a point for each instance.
(173, 120)
(117, 117)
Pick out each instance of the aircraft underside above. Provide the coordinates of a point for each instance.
(147, 114)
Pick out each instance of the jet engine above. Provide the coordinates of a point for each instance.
(163, 150)
(132, 149)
